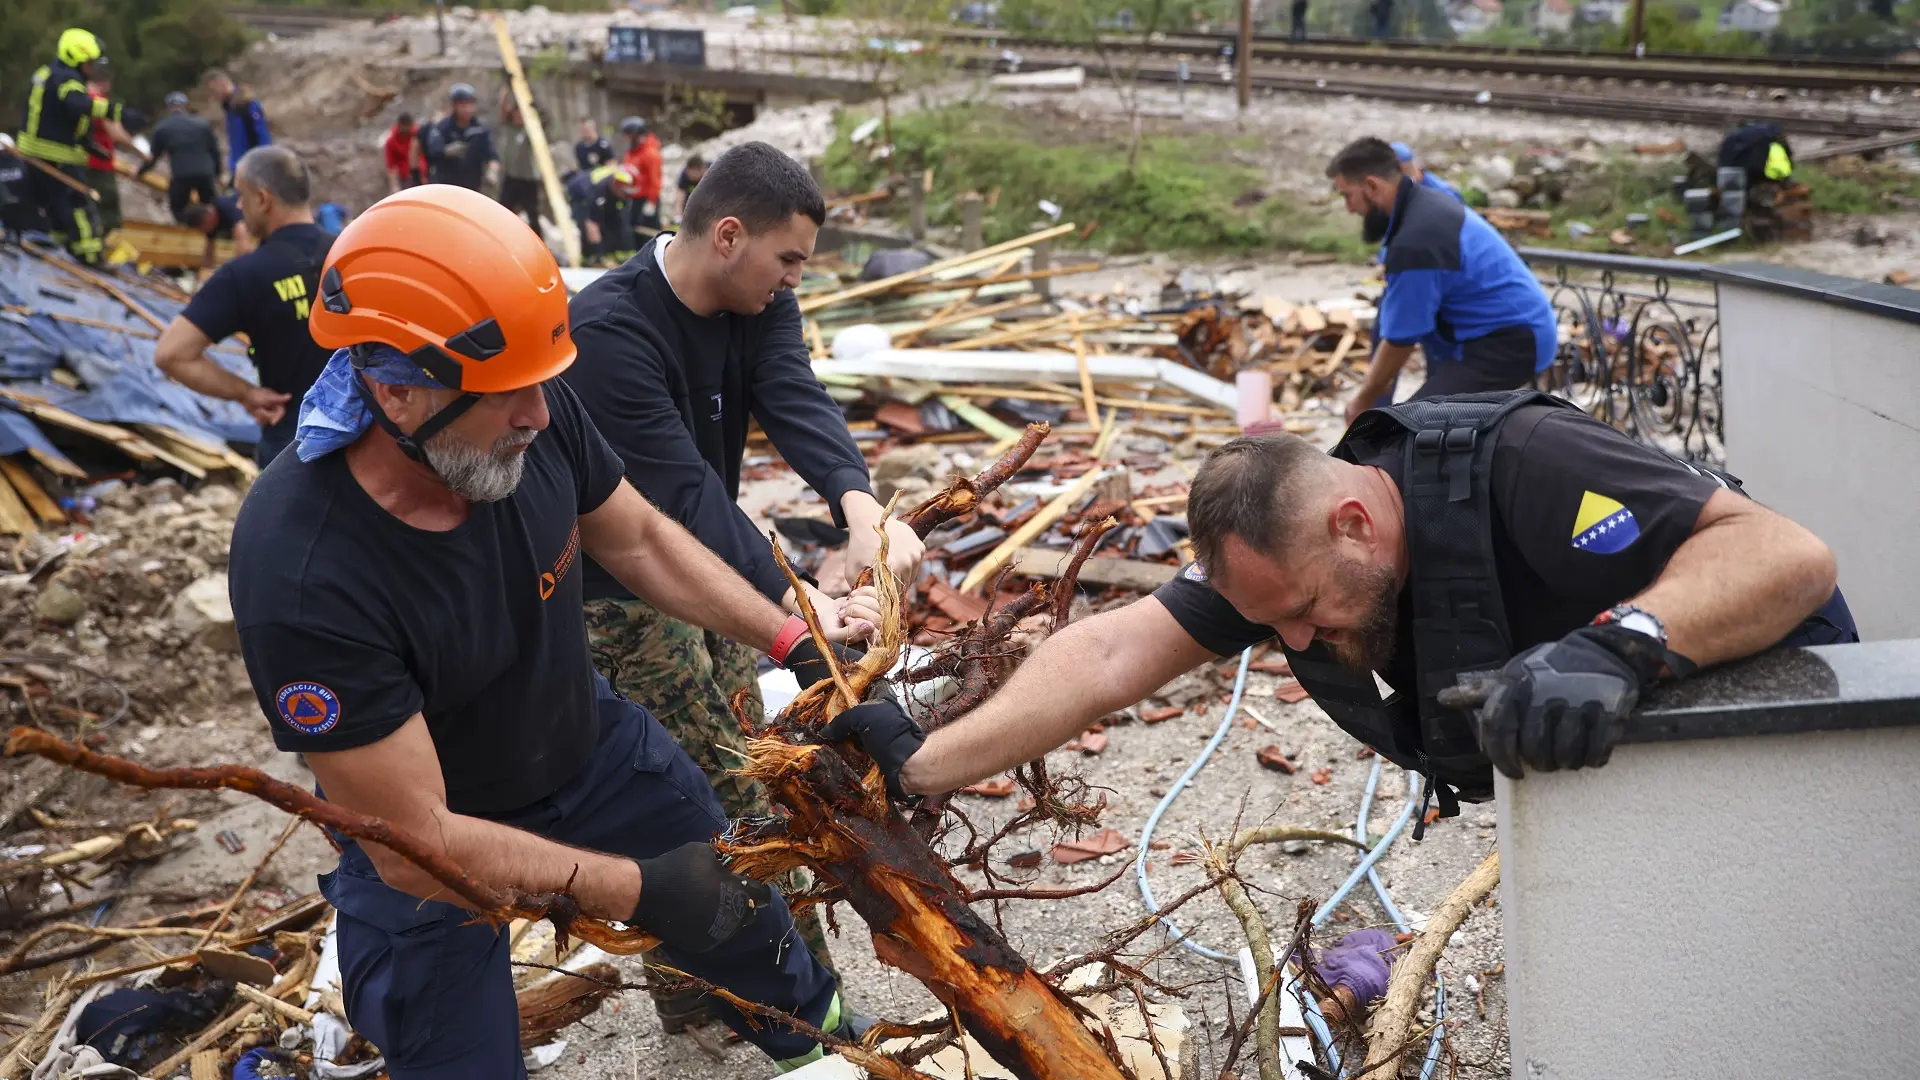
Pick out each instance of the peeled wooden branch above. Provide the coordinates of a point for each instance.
(962, 496)
(494, 904)
(1393, 1019)
(1267, 1037)
(1274, 834)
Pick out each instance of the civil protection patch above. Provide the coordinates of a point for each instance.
(1603, 526)
(308, 707)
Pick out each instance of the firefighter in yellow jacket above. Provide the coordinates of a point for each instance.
(58, 114)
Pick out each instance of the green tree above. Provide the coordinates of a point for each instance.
(153, 46)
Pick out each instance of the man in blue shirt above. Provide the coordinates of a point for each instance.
(1410, 164)
(1454, 286)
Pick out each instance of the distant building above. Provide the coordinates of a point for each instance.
(1603, 11)
(1752, 16)
(1553, 16)
(1473, 16)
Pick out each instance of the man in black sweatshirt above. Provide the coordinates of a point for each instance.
(678, 348)
(192, 153)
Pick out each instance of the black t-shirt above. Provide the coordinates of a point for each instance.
(1584, 518)
(351, 620)
(672, 391)
(267, 294)
(592, 155)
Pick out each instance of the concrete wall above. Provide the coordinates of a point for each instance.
(1744, 906)
(1727, 908)
(1822, 407)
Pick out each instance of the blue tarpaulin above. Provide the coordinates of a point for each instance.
(119, 382)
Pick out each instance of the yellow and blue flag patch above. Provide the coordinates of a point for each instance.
(1603, 526)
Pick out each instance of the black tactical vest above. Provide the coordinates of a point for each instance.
(1459, 621)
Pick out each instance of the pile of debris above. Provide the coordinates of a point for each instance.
(80, 398)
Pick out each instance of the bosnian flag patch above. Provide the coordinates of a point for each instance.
(1603, 526)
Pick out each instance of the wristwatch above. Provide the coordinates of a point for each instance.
(1639, 620)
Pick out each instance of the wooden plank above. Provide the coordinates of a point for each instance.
(978, 417)
(14, 518)
(117, 293)
(82, 320)
(36, 497)
(1100, 570)
(1002, 278)
(874, 288)
(537, 135)
(173, 245)
(1341, 350)
(1037, 524)
(855, 200)
(120, 438)
(1087, 403)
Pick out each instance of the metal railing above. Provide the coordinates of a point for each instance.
(1632, 353)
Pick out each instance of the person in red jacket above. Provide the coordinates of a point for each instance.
(643, 160)
(406, 162)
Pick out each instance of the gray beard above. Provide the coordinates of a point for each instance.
(479, 475)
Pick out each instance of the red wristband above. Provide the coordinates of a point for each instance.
(783, 642)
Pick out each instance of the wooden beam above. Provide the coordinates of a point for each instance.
(31, 492)
(1040, 522)
(1088, 404)
(1128, 573)
(873, 288)
(537, 135)
(978, 417)
(14, 518)
(1003, 278)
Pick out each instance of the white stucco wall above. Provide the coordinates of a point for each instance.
(1822, 407)
(1724, 908)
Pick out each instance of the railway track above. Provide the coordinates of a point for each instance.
(1804, 74)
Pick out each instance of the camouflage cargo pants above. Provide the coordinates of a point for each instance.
(687, 677)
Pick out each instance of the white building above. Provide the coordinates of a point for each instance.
(1752, 16)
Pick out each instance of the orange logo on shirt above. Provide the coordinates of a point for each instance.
(550, 580)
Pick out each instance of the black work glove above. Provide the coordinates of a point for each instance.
(1562, 705)
(809, 666)
(691, 901)
(886, 733)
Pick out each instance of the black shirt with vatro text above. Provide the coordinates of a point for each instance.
(267, 295)
(1584, 518)
(351, 620)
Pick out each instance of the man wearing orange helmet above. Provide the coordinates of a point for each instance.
(407, 589)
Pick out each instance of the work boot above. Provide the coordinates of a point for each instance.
(840, 1023)
(680, 1010)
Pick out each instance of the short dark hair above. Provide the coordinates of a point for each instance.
(1365, 157)
(405, 118)
(1251, 488)
(756, 183)
(276, 169)
(195, 215)
(696, 162)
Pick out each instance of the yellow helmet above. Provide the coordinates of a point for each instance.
(77, 46)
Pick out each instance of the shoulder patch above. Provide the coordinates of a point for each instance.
(1195, 572)
(308, 707)
(1603, 526)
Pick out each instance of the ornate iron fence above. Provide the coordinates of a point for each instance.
(1634, 354)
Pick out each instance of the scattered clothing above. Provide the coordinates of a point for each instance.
(1361, 962)
(673, 391)
(267, 294)
(129, 1025)
(246, 127)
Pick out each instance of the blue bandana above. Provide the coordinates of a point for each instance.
(332, 414)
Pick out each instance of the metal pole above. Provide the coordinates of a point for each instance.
(440, 23)
(1243, 54)
(1637, 33)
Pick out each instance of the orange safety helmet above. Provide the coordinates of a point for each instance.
(454, 280)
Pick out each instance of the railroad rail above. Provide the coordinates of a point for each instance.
(1806, 74)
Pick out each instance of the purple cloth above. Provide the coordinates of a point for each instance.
(1359, 963)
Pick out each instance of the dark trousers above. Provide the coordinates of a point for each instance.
(182, 191)
(522, 196)
(1299, 20)
(278, 437)
(1502, 360)
(71, 218)
(106, 184)
(433, 989)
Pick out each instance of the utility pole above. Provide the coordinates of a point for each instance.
(1243, 55)
(440, 23)
(1637, 29)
